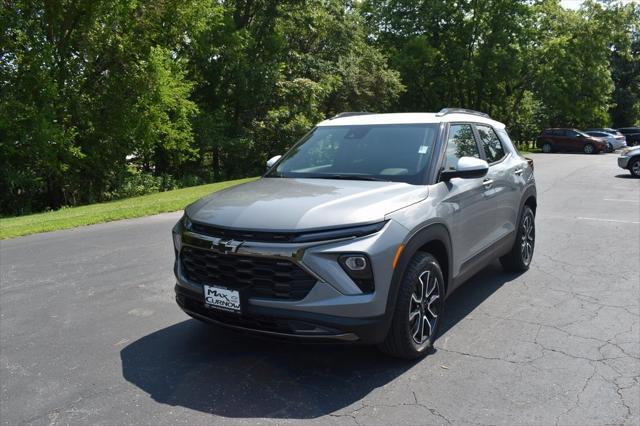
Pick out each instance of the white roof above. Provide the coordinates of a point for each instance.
(409, 118)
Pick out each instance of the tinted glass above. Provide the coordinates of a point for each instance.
(491, 145)
(506, 140)
(460, 143)
(385, 152)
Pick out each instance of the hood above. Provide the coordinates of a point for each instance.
(631, 149)
(303, 204)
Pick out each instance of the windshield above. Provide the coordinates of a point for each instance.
(397, 152)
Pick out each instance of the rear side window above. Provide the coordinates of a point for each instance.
(493, 149)
(460, 143)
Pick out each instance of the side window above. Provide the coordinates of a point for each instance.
(572, 134)
(460, 143)
(506, 140)
(491, 145)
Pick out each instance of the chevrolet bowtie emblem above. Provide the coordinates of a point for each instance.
(227, 246)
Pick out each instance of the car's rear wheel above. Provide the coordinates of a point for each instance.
(418, 311)
(546, 147)
(634, 167)
(609, 147)
(589, 149)
(519, 258)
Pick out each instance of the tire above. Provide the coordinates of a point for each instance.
(521, 254)
(589, 149)
(420, 305)
(634, 167)
(610, 147)
(547, 148)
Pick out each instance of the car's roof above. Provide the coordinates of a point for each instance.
(409, 118)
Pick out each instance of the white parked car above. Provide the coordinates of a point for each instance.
(613, 142)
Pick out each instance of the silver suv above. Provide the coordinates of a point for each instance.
(360, 231)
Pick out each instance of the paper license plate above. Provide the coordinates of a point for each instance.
(222, 298)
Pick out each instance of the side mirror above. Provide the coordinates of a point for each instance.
(467, 168)
(273, 160)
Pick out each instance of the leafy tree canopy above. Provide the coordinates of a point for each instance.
(101, 99)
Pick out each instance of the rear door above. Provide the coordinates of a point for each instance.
(562, 140)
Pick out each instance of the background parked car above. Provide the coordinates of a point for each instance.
(613, 142)
(632, 134)
(630, 159)
(559, 139)
(614, 132)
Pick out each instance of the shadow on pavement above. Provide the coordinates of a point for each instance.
(233, 375)
(472, 293)
(625, 176)
(212, 370)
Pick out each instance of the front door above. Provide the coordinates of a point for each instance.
(504, 178)
(470, 211)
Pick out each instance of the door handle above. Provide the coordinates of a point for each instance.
(487, 183)
(518, 171)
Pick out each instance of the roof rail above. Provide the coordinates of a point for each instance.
(445, 111)
(350, 114)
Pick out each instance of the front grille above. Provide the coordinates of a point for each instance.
(258, 276)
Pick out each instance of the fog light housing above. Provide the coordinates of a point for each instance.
(358, 267)
(356, 263)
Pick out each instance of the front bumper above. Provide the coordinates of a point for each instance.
(335, 308)
(286, 324)
(623, 162)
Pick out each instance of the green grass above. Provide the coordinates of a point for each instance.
(529, 150)
(145, 205)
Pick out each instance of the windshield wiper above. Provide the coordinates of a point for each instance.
(350, 177)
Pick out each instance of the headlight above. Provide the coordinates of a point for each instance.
(186, 222)
(177, 241)
(334, 234)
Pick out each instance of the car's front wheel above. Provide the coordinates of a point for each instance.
(634, 167)
(546, 147)
(610, 147)
(519, 258)
(418, 311)
(589, 149)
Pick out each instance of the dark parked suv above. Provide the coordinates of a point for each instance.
(551, 140)
(632, 134)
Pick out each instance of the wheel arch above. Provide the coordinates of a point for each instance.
(529, 198)
(532, 202)
(434, 239)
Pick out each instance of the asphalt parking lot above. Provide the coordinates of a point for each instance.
(90, 333)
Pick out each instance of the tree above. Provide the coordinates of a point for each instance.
(83, 87)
